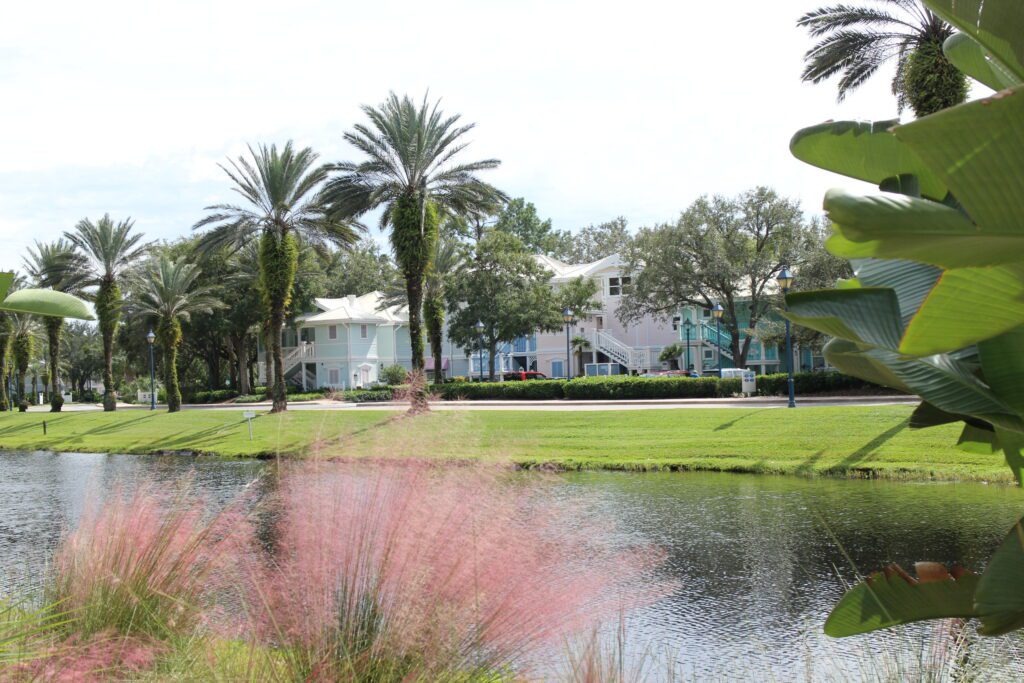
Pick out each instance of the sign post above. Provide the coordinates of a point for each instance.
(249, 415)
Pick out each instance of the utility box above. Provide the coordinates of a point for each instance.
(747, 378)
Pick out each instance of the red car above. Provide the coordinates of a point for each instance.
(518, 375)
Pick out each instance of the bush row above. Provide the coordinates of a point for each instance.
(629, 387)
(808, 383)
(530, 390)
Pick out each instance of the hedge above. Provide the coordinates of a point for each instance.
(809, 383)
(616, 387)
(215, 396)
(528, 390)
(366, 395)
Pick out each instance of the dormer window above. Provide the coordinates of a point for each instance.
(364, 331)
(616, 285)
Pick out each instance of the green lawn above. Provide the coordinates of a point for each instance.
(846, 441)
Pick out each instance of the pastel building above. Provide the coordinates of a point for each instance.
(346, 342)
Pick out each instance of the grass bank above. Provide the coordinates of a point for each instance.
(873, 441)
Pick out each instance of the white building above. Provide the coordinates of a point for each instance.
(346, 342)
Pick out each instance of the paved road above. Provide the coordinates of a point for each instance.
(662, 404)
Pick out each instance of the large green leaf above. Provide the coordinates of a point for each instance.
(857, 361)
(893, 597)
(996, 26)
(966, 306)
(978, 151)
(866, 315)
(968, 56)
(46, 302)
(1003, 366)
(865, 151)
(999, 599)
(911, 281)
(899, 227)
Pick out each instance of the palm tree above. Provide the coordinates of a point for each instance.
(6, 343)
(24, 348)
(579, 344)
(58, 266)
(109, 249)
(283, 206)
(409, 171)
(171, 294)
(856, 41)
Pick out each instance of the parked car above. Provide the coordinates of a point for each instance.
(520, 375)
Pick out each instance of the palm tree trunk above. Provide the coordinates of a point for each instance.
(433, 314)
(170, 338)
(108, 302)
(268, 358)
(53, 329)
(279, 393)
(21, 385)
(241, 357)
(414, 293)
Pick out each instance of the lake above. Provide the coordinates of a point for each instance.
(758, 560)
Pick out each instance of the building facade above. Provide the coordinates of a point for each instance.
(347, 342)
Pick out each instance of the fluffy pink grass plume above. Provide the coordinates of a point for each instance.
(451, 567)
(144, 563)
(103, 657)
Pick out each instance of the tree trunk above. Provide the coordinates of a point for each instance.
(433, 317)
(21, 384)
(268, 358)
(242, 358)
(108, 311)
(492, 351)
(279, 393)
(170, 339)
(53, 329)
(414, 293)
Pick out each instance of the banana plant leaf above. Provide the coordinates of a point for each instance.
(898, 227)
(999, 598)
(970, 57)
(996, 26)
(865, 151)
(892, 597)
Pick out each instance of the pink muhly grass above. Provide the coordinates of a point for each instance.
(102, 657)
(142, 564)
(421, 569)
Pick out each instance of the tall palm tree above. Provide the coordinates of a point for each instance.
(58, 266)
(171, 294)
(283, 205)
(24, 348)
(6, 346)
(411, 173)
(110, 249)
(857, 40)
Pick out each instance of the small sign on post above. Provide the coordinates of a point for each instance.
(249, 415)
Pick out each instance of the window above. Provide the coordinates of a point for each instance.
(616, 285)
(332, 333)
(364, 331)
(709, 354)
(334, 377)
(557, 369)
(676, 320)
(705, 312)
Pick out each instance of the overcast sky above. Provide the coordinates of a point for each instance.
(595, 109)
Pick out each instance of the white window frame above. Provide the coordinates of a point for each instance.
(677, 320)
(364, 331)
(334, 377)
(332, 332)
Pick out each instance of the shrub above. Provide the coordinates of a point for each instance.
(616, 387)
(809, 383)
(529, 390)
(215, 396)
(393, 375)
(366, 395)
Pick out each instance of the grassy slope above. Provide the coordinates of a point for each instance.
(860, 441)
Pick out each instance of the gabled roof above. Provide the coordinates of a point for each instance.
(565, 271)
(357, 309)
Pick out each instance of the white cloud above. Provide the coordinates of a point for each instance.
(596, 109)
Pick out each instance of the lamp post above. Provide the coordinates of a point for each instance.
(717, 311)
(479, 327)
(569, 318)
(688, 326)
(785, 279)
(151, 338)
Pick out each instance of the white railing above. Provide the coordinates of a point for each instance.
(293, 355)
(633, 359)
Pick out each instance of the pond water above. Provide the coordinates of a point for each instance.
(759, 560)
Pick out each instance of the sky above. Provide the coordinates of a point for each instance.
(596, 109)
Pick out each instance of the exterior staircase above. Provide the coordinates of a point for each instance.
(632, 359)
(710, 338)
(292, 357)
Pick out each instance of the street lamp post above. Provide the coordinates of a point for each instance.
(569, 318)
(687, 325)
(479, 327)
(717, 312)
(785, 279)
(151, 338)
